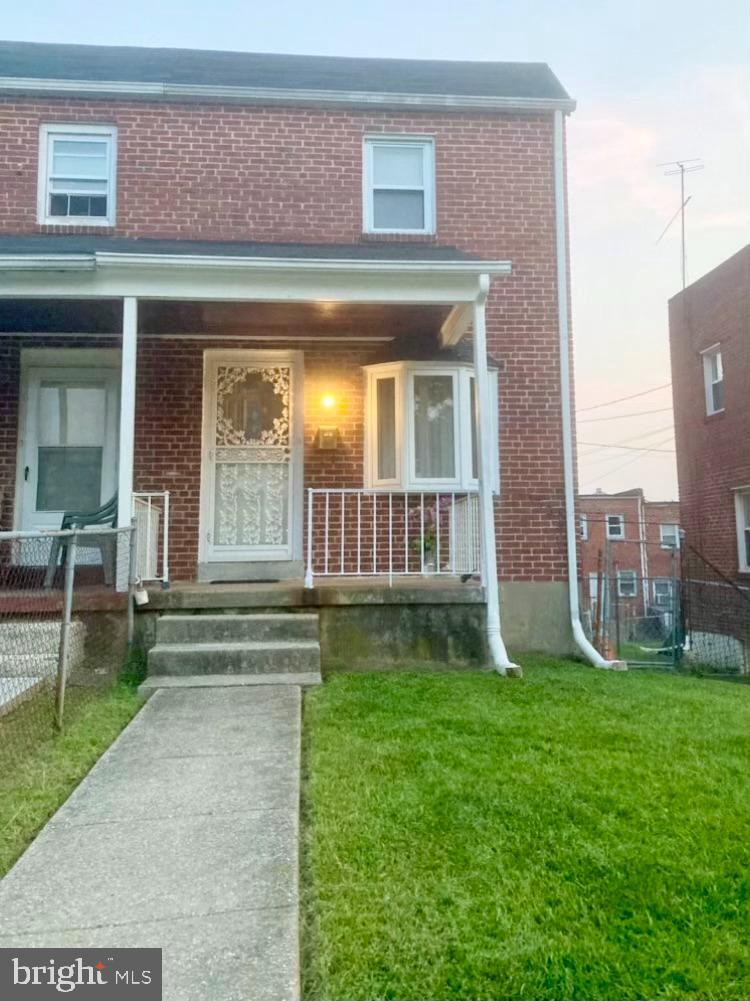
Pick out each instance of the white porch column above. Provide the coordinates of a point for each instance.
(485, 444)
(126, 445)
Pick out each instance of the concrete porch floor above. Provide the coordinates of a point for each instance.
(327, 591)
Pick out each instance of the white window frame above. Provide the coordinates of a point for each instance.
(665, 581)
(427, 144)
(593, 590)
(629, 575)
(406, 479)
(583, 527)
(618, 537)
(675, 533)
(78, 132)
(743, 529)
(714, 352)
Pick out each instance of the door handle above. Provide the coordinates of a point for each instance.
(26, 473)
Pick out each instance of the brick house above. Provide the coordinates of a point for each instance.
(320, 303)
(636, 540)
(709, 331)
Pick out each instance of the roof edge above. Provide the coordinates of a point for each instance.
(96, 259)
(146, 91)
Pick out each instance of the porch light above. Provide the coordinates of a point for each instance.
(328, 401)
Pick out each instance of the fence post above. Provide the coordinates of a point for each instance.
(131, 583)
(616, 600)
(62, 659)
(309, 570)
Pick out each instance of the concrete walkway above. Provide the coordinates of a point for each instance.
(183, 837)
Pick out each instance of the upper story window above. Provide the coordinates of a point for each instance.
(583, 527)
(669, 536)
(421, 429)
(742, 511)
(399, 185)
(627, 583)
(713, 380)
(615, 526)
(77, 166)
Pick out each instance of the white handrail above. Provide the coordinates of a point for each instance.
(437, 538)
(151, 513)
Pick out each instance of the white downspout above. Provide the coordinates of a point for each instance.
(498, 654)
(579, 636)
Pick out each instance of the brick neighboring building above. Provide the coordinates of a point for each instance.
(332, 228)
(636, 535)
(709, 330)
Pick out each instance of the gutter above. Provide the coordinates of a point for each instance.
(155, 91)
(561, 248)
(101, 259)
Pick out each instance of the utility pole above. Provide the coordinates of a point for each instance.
(681, 167)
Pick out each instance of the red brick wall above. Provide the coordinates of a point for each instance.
(659, 513)
(228, 172)
(713, 452)
(626, 553)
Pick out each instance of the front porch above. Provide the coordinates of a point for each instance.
(335, 442)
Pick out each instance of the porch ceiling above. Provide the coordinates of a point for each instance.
(285, 320)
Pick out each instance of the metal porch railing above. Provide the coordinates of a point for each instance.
(151, 519)
(364, 533)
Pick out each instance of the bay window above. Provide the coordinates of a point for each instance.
(421, 427)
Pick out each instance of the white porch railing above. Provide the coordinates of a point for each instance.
(151, 517)
(363, 533)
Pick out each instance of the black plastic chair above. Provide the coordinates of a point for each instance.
(106, 517)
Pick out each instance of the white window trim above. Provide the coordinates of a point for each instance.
(708, 381)
(669, 545)
(661, 580)
(583, 527)
(78, 130)
(742, 526)
(427, 143)
(621, 536)
(406, 479)
(630, 575)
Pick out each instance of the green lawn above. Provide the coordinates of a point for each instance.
(575, 834)
(43, 771)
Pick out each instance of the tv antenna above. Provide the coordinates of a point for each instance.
(681, 167)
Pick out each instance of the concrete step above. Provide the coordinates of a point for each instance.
(229, 680)
(247, 657)
(280, 626)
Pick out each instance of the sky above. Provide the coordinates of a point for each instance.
(655, 82)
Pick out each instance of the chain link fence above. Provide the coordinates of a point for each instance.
(65, 627)
(717, 619)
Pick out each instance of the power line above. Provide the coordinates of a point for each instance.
(622, 399)
(608, 458)
(629, 448)
(635, 437)
(610, 472)
(622, 417)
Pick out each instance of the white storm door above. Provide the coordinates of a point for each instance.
(68, 443)
(252, 451)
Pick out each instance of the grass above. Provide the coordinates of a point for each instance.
(576, 834)
(46, 770)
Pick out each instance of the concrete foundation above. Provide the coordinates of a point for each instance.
(535, 615)
(366, 625)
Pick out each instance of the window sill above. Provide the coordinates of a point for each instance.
(716, 415)
(75, 227)
(399, 237)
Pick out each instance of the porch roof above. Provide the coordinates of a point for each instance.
(91, 245)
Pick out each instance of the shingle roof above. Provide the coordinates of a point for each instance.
(509, 80)
(90, 244)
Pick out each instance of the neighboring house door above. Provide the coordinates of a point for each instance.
(67, 443)
(251, 503)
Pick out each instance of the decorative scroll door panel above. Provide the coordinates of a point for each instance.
(252, 456)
